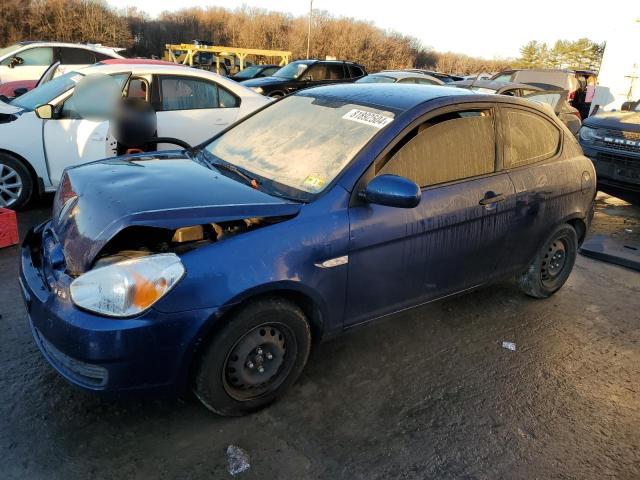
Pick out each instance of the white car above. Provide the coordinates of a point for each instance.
(29, 60)
(191, 105)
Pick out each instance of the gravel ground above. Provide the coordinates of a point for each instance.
(430, 393)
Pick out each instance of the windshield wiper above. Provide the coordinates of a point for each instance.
(252, 182)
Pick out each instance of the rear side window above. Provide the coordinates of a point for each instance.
(187, 93)
(449, 147)
(356, 71)
(528, 138)
(76, 56)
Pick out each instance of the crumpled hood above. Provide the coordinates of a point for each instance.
(261, 82)
(166, 190)
(627, 121)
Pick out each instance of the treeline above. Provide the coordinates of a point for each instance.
(582, 54)
(346, 38)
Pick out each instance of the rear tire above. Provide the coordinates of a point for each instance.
(276, 95)
(552, 265)
(16, 184)
(256, 357)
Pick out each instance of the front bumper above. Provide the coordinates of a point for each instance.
(617, 168)
(150, 352)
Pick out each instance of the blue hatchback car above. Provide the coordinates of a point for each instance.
(216, 268)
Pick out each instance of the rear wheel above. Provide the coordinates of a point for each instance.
(276, 95)
(16, 185)
(254, 359)
(552, 265)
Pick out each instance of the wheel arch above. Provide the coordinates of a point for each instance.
(308, 302)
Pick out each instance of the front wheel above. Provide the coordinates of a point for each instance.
(258, 355)
(552, 265)
(16, 185)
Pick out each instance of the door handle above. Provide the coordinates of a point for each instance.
(491, 200)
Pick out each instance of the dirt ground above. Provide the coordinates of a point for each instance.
(430, 393)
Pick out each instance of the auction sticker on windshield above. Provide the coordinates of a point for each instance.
(368, 118)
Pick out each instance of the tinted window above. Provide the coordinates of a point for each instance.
(101, 56)
(450, 147)
(77, 56)
(528, 138)
(356, 71)
(182, 93)
(315, 72)
(335, 72)
(36, 56)
(267, 72)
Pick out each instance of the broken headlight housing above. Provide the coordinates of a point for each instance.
(590, 135)
(129, 287)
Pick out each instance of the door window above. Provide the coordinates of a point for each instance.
(335, 72)
(426, 81)
(185, 93)
(138, 88)
(77, 56)
(529, 138)
(449, 147)
(317, 71)
(37, 56)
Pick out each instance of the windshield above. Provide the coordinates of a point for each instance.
(376, 79)
(248, 72)
(300, 142)
(291, 71)
(47, 91)
(7, 50)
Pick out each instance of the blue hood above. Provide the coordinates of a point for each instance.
(261, 82)
(164, 190)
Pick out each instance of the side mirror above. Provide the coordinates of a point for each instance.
(20, 91)
(15, 61)
(392, 191)
(628, 106)
(44, 112)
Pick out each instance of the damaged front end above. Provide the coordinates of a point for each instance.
(163, 204)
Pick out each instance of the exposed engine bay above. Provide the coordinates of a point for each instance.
(138, 241)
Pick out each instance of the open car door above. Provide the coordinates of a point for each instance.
(70, 139)
(558, 101)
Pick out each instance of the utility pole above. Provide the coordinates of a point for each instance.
(309, 31)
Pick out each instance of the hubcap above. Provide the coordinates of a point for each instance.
(554, 260)
(255, 363)
(10, 186)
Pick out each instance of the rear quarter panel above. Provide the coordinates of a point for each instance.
(548, 194)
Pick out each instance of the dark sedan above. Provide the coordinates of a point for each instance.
(330, 208)
(304, 74)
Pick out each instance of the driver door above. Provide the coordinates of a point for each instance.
(71, 140)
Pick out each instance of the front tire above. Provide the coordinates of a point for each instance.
(16, 184)
(259, 354)
(552, 265)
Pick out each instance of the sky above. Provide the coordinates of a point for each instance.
(484, 28)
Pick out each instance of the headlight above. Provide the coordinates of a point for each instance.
(257, 89)
(129, 287)
(589, 134)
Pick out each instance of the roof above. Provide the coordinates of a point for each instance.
(88, 46)
(136, 61)
(395, 96)
(398, 74)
